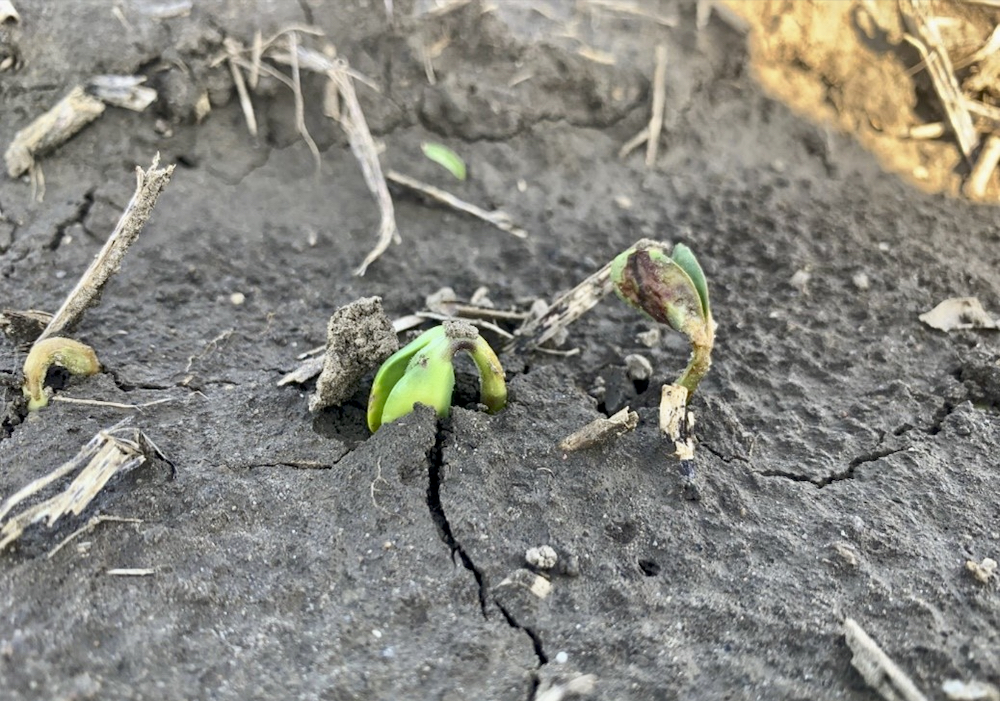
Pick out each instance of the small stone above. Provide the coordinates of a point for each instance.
(562, 657)
(535, 584)
(861, 281)
(638, 368)
(800, 279)
(983, 571)
(957, 690)
(237, 298)
(649, 338)
(543, 557)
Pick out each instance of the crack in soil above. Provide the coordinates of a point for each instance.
(435, 465)
(846, 474)
(723, 457)
(78, 217)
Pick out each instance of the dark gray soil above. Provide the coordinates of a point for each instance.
(847, 454)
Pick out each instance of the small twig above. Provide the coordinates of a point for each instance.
(300, 109)
(659, 102)
(478, 312)
(924, 35)
(989, 156)
(497, 217)
(879, 671)
(983, 111)
(565, 310)
(303, 373)
(131, 572)
(428, 62)
(149, 184)
(86, 528)
(600, 430)
(110, 405)
(634, 9)
(256, 49)
(210, 347)
(991, 46)
(920, 132)
(352, 119)
(634, 143)
(104, 456)
(125, 91)
(482, 323)
(232, 48)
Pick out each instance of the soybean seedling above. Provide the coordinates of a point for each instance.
(423, 372)
(76, 357)
(668, 288)
(671, 290)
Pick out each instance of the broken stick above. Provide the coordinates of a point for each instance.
(879, 671)
(676, 422)
(979, 179)
(352, 120)
(497, 217)
(659, 103)
(600, 430)
(107, 454)
(564, 311)
(51, 129)
(149, 184)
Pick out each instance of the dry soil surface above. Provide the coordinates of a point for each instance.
(847, 452)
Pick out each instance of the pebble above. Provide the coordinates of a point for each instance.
(543, 557)
(650, 338)
(800, 279)
(638, 368)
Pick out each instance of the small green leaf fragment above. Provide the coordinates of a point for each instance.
(444, 157)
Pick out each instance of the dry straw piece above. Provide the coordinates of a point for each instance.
(149, 185)
(51, 129)
(879, 671)
(111, 452)
(600, 430)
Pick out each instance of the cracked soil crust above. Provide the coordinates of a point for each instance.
(847, 453)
